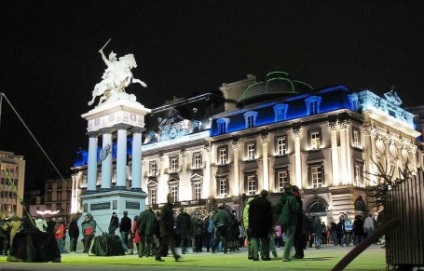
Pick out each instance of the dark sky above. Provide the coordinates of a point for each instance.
(50, 61)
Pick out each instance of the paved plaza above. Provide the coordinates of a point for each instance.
(315, 259)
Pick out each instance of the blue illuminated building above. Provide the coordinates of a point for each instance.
(254, 134)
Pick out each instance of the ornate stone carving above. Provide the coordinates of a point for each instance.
(116, 77)
(264, 138)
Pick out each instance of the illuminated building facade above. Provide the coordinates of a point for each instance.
(262, 134)
(13, 169)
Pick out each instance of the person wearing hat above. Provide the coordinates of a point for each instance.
(288, 218)
(260, 224)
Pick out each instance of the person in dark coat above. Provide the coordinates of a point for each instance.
(298, 232)
(125, 230)
(358, 230)
(167, 232)
(114, 223)
(306, 229)
(184, 229)
(50, 225)
(73, 232)
(198, 231)
(260, 224)
(147, 224)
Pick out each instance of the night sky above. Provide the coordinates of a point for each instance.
(50, 61)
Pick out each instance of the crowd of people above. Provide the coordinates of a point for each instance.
(263, 228)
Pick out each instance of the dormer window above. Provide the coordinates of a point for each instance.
(353, 99)
(223, 125)
(313, 105)
(250, 119)
(280, 111)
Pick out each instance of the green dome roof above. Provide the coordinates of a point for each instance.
(277, 84)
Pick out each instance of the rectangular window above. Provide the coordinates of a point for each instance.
(282, 179)
(316, 176)
(281, 145)
(223, 187)
(250, 148)
(251, 185)
(315, 140)
(173, 164)
(222, 156)
(197, 160)
(197, 191)
(174, 192)
(59, 195)
(355, 138)
(153, 196)
(59, 185)
(358, 175)
(153, 169)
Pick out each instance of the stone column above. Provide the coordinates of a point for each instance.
(297, 158)
(107, 162)
(373, 166)
(136, 160)
(334, 153)
(236, 189)
(92, 163)
(343, 154)
(264, 139)
(207, 187)
(121, 158)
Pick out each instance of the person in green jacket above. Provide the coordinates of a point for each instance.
(288, 218)
(147, 222)
(222, 220)
(246, 228)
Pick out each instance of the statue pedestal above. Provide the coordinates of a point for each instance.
(101, 205)
(111, 123)
(115, 112)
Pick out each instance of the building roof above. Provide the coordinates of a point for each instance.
(277, 84)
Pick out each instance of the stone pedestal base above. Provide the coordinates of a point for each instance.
(101, 205)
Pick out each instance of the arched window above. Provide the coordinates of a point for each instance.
(318, 208)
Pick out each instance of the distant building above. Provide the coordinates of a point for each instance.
(57, 197)
(222, 148)
(12, 181)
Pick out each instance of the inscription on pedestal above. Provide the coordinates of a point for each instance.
(132, 205)
(100, 206)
